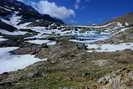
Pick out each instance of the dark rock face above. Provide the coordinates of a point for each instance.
(6, 26)
(27, 50)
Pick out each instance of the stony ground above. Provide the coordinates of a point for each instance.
(70, 67)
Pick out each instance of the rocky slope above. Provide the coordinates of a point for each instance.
(128, 18)
(71, 69)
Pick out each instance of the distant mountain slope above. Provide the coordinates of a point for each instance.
(16, 13)
(125, 18)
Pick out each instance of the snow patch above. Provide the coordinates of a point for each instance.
(122, 30)
(38, 29)
(40, 42)
(126, 24)
(109, 47)
(12, 33)
(40, 35)
(2, 39)
(14, 20)
(10, 62)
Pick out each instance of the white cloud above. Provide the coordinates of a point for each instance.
(51, 8)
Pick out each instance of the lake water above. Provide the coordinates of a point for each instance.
(89, 38)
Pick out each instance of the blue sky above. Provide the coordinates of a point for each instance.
(82, 12)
